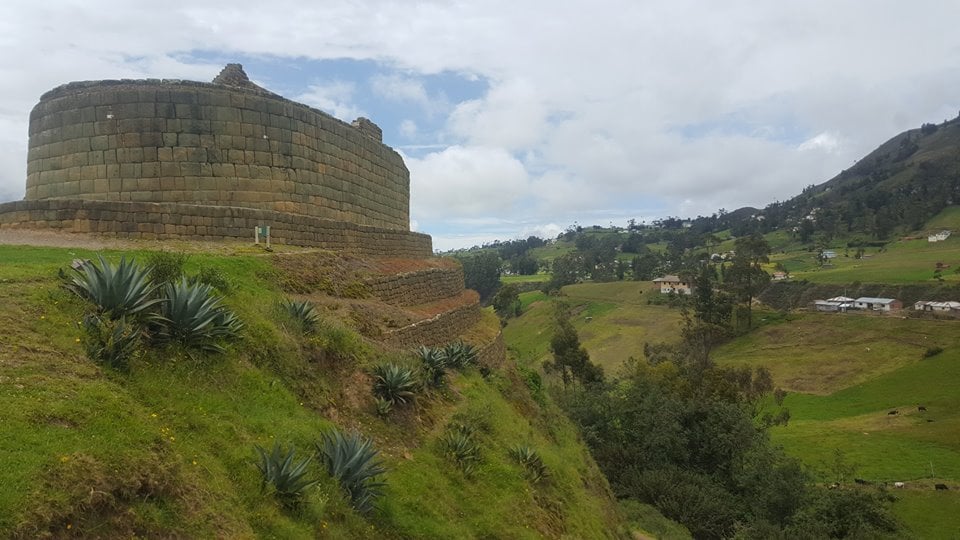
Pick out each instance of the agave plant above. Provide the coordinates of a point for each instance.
(434, 364)
(112, 342)
(304, 313)
(393, 383)
(460, 446)
(279, 471)
(194, 317)
(529, 458)
(352, 461)
(124, 290)
(384, 406)
(459, 355)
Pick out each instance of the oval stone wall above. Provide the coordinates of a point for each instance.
(212, 145)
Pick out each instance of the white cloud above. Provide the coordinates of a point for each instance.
(584, 99)
(408, 128)
(467, 182)
(335, 98)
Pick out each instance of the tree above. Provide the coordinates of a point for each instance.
(570, 359)
(565, 270)
(481, 273)
(745, 278)
(507, 301)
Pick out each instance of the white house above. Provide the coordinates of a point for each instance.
(939, 237)
(930, 305)
(877, 304)
(673, 284)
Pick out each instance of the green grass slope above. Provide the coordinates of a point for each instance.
(613, 320)
(166, 448)
(851, 372)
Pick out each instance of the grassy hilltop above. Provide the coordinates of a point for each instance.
(166, 447)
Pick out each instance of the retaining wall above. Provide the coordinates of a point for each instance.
(211, 144)
(419, 287)
(438, 330)
(170, 220)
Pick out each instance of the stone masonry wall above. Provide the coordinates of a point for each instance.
(169, 220)
(438, 330)
(419, 287)
(212, 145)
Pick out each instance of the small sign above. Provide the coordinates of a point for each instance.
(261, 231)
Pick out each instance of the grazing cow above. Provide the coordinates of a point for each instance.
(922, 408)
(861, 481)
(941, 487)
(835, 485)
(894, 412)
(898, 485)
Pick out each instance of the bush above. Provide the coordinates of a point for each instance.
(166, 267)
(112, 342)
(193, 316)
(393, 383)
(215, 278)
(287, 479)
(304, 313)
(351, 460)
(124, 290)
(459, 445)
(459, 355)
(932, 351)
(434, 365)
(529, 458)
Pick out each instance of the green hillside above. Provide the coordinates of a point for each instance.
(165, 448)
(843, 374)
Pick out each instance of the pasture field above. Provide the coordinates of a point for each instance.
(620, 322)
(844, 373)
(901, 261)
(535, 278)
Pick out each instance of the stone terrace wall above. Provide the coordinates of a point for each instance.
(438, 330)
(419, 287)
(214, 145)
(169, 220)
(493, 354)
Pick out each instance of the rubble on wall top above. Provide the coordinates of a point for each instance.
(233, 75)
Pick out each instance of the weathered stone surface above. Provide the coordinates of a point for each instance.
(315, 164)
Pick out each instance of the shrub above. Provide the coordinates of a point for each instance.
(351, 460)
(529, 458)
(117, 291)
(112, 342)
(166, 267)
(393, 383)
(287, 479)
(932, 351)
(460, 446)
(459, 355)
(194, 317)
(304, 313)
(213, 277)
(434, 364)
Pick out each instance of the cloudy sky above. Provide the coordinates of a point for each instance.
(522, 117)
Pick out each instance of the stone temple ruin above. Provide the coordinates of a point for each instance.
(161, 159)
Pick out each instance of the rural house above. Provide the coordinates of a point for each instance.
(877, 304)
(939, 237)
(673, 284)
(837, 303)
(938, 307)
